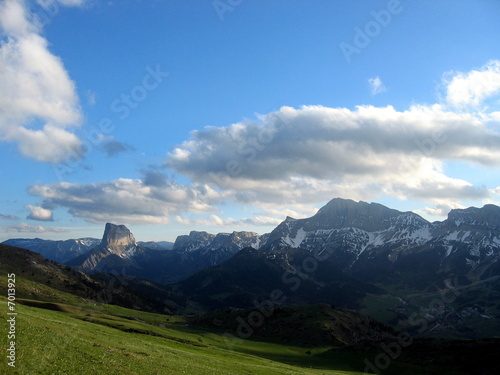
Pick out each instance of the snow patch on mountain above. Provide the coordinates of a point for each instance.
(297, 239)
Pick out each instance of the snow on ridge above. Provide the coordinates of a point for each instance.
(453, 236)
(297, 240)
(459, 235)
(257, 243)
(301, 234)
(375, 239)
(422, 234)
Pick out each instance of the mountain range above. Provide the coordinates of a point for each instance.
(378, 244)
(38, 279)
(118, 252)
(59, 251)
(364, 256)
(365, 240)
(64, 250)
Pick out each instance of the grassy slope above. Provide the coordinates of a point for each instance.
(62, 342)
(56, 338)
(60, 333)
(38, 273)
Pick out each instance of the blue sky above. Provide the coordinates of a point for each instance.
(172, 116)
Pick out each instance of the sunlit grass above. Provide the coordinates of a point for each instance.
(63, 342)
(59, 333)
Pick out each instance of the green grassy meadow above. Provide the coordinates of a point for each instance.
(60, 333)
(57, 338)
(81, 341)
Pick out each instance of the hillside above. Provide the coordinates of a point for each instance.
(315, 325)
(62, 338)
(253, 275)
(64, 332)
(39, 278)
(389, 264)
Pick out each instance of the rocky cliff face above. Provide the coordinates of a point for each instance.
(116, 252)
(119, 252)
(117, 239)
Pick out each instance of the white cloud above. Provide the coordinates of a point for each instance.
(377, 148)
(127, 201)
(39, 213)
(309, 155)
(14, 18)
(28, 228)
(376, 85)
(39, 102)
(299, 211)
(439, 210)
(472, 88)
(299, 159)
(214, 220)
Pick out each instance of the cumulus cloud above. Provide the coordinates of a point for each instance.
(39, 213)
(300, 158)
(310, 154)
(28, 228)
(323, 142)
(472, 88)
(376, 85)
(126, 200)
(295, 155)
(39, 104)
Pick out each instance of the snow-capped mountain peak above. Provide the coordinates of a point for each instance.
(361, 234)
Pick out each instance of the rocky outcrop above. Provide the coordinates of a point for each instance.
(117, 239)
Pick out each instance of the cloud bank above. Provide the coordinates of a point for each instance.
(324, 152)
(28, 228)
(302, 157)
(127, 200)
